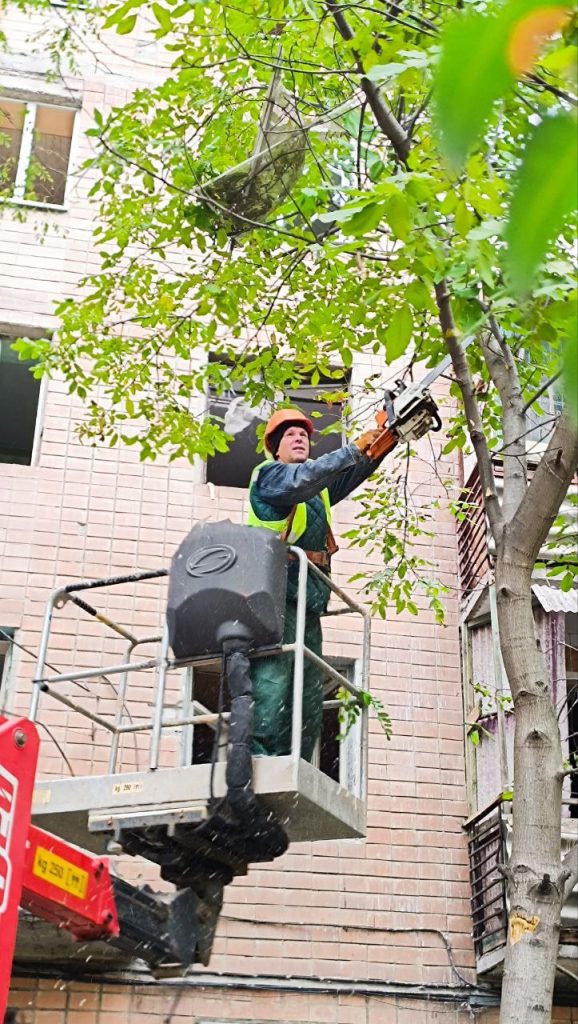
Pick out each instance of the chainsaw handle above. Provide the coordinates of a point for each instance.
(437, 420)
(385, 442)
(388, 397)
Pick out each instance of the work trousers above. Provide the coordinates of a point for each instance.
(272, 679)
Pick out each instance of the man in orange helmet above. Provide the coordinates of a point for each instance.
(293, 495)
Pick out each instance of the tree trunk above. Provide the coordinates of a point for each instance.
(535, 885)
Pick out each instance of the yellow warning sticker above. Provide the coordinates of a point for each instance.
(60, 872)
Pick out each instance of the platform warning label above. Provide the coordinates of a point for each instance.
(60, 872)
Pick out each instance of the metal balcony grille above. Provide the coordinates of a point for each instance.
(487, 837)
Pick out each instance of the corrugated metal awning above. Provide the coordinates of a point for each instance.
(553, 599)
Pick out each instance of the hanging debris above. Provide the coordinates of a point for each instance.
(246, 194)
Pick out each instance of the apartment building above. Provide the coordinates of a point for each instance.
(378, 929)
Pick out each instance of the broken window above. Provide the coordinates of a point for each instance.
(35, 144)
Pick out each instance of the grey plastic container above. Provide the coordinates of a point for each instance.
(226, 581)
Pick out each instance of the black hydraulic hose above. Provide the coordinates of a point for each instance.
(239, 772)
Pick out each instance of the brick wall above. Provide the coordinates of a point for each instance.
(48, 1002)
(76, 1003)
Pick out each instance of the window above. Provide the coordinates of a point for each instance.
(19, 401)
(339, 759)
(571, 661)
(490, 720)
(541, 418)
(5, 652)
(35, 144)
(490, 723)
(234, 468)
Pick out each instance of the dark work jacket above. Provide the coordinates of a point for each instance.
(279, 487)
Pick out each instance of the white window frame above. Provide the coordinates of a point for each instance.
(31, 106)
(39, 425)
(6, 671)
(351, 767)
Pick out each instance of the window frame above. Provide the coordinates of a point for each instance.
(6, 663)
(352, 770)
(31, 106)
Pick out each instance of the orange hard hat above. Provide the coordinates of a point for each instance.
(286, 416)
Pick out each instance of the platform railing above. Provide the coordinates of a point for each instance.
(117, 726)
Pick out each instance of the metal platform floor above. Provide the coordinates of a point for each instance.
(84, 810)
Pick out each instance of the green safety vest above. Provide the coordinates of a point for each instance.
(299, 524)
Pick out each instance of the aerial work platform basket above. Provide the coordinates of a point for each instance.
(173, 790)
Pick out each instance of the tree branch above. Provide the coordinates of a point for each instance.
(504, 374)
(385, 118)
(540, 505)
(474, 420)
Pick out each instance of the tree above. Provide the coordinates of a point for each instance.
(348, 231)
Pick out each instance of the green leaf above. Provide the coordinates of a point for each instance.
(544, 193)
(418, 59)
(398, 217)
(398, 334)
(480, 59)
(124, 27)
(471, 76)
(364, 220)
(571, 376)
(384, 72)
(163, 17)
(567, 582)
(463, 219)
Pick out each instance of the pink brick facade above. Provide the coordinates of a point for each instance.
(336, 918)
(78, 1003)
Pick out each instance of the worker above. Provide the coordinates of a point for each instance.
(293, 494)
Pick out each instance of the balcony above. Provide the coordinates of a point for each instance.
(489, 844)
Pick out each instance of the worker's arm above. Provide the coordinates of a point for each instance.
(352, 477)
(283, 485)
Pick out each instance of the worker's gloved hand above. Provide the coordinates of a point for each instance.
(367, 439)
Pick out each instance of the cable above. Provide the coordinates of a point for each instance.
(33, 655)
(13, 714)
(365, 928)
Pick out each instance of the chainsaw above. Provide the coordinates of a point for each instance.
(409, 411)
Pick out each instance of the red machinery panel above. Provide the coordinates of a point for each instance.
(18, 756)
(68, 886)
(50, 878)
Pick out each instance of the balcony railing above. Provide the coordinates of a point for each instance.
(489, 845)
(487, 849)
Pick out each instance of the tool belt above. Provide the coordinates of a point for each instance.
(320, 558)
